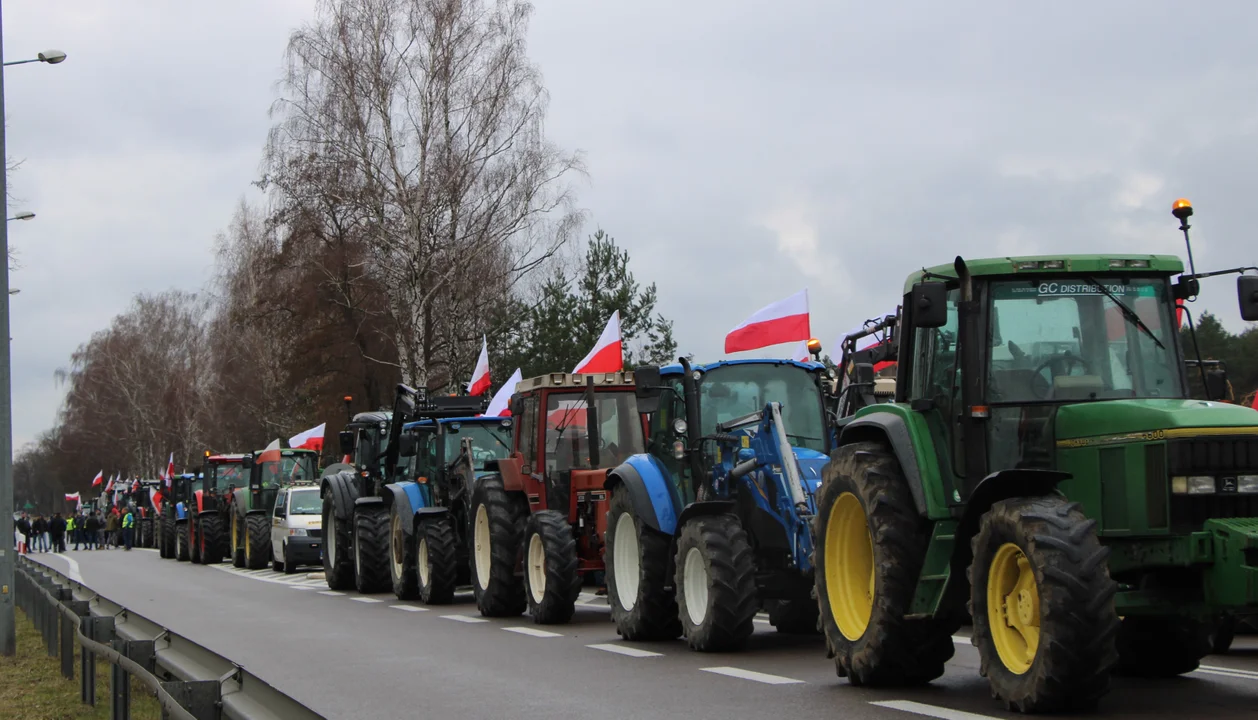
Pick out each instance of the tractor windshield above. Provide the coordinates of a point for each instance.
(1067, 339)
(490, 441)
(727, 392)
(287, 470)
(567, 437)
(227, 474)
(305, 502)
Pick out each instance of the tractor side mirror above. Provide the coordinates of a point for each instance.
(406, 445)
(930, 304)
(646, 380)
(346, 438)
(515, 406)
(863, 374)
(1247, 293)
(1216, 384)
(246, 462)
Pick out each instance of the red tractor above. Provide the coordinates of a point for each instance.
(538, 516)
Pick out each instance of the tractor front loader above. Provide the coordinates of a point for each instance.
(1044, 472)
(711, 523)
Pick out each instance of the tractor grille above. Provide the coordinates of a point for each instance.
(1211, 455)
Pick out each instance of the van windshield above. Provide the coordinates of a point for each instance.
(305, 502)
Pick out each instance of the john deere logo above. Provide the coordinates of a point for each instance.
(1227, 484)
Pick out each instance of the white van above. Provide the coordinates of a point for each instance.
(296, 528)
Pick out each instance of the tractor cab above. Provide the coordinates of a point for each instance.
(364, 442)
(271, 469)
(436, 449)
(221, 475)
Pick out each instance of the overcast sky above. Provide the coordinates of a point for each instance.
(740, 150)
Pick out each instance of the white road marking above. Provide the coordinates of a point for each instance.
(625, 650)
(465, 618)
(409, 608)
(752, 675)
(330, 592)
(930, 710)
(532, 631)
(366, 600)
(1227, 672)
(300, 587)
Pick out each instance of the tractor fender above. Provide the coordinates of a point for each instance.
(341, 487)
(337, 469)
(405, 497)
(648, 485)
(892, 429)
(704, 508)
(238, 501)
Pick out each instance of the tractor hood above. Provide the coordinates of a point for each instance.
(1119, 417)
(810, 464)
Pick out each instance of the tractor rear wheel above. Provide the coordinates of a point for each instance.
(1161, 647)
(237, 543)
(211, 540)
(869, 552)
(338, 564)
(1043, 605)
(257, 541)
(402, 556)
(163, 539)
(182, 546)
(436, 560)
(716, 583)
(643, 603)
(497, 526)
(194, 541)
(551, 582)
(371, 549)
(794, 617)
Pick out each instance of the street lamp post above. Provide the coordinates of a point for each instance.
(8, 640)
(23, 215)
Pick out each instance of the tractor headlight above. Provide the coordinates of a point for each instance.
(1192, 484)
(1247, 483)
(679, 426)
(297, 532)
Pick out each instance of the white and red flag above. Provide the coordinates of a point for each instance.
(502, 398)
(135, 485)
(71, 496)
(781, 322)
(606, 355)
(170, 469)
(100, 477)
(110, 485)
(311, 439)
(480, 376)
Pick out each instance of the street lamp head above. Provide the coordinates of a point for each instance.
(24, 215)
(52, 57)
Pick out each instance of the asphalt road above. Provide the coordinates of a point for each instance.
(351, 656)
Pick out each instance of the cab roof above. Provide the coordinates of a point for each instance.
(675, 368)
(477, 420)
(374, 417)
(227, 458)
(1091, 264)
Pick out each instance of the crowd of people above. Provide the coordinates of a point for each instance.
(87, 529)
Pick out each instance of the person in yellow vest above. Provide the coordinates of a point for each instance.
(72, 528)
(128, 527)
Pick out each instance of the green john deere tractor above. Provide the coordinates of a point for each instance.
(1043, 473)
(270, 469)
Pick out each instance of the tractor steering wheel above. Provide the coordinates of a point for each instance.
(1041, 387)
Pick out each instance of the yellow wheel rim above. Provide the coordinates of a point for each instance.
(849, 566)
(1013, 608)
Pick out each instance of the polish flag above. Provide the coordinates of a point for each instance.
(170, 469)
(155, 496)
(71, 496)
(480, 376)
(100, 477)
(498, 405)
(110, 485)
(783, 321)
(135, 485)
(311, 439)
(606, 355)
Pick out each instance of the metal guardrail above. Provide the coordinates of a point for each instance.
(189, 681)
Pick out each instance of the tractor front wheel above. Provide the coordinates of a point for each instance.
(338, 564)
(182, 545)
(644, 605)
(436, 560)
(194, 541)
(716, 585)
(551, 582)
(401, 557)
(371, 549)
(211, 540)
(870, 547)
(257, 541)
(1161, 647)
(1043, 605)
(497, 526)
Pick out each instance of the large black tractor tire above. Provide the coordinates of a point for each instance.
(163, 539)
(1223, 633)
(1042, 603)
(169, 534)
(236, 540)
(402, 564)
(371, 549)
(794, 617)
(497, 528)
(257, 541)
(551, 581)
(183, 548)
(716, 583)
(338, 562)
(144, 527)
(437, 558)
(639, 589)
(870, 545)
(1161, 647)
(194, 540)
(212, 542)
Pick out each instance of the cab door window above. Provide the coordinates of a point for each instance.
(937, 378)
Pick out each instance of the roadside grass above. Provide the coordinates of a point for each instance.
(32, 688)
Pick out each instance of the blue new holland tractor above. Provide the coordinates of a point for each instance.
(429, 522)
(711, 524)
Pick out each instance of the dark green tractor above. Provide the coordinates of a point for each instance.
(249, 541)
